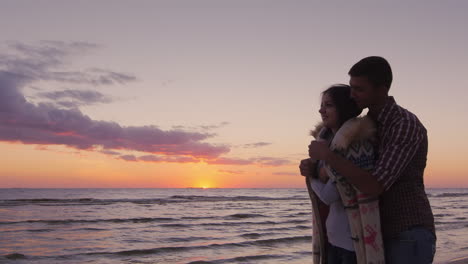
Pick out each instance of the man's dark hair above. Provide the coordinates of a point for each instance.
(376, 69)
(345, 105)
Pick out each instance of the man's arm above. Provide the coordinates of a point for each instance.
(405, 139)
(361, 179)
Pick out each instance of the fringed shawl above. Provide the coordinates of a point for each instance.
(352, 141)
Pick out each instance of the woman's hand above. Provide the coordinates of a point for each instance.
(318, 150)
(306, 167)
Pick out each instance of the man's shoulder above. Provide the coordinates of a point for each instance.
(402, 116)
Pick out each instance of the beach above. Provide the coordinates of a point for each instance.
(184, 225)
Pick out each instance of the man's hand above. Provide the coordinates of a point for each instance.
(306, 167)
(318, 150)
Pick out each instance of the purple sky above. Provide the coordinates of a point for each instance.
(229, 82)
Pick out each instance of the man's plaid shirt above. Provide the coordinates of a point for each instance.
(401, 159)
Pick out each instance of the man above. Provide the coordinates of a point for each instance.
(406, 216)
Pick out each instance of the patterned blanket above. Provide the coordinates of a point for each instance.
(352, 141)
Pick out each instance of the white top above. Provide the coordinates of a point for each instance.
(338, 230)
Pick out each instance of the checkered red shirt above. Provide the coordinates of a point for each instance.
(401, 159)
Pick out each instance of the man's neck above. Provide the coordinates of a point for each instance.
(375, 109)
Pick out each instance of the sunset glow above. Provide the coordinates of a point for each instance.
(216, 95)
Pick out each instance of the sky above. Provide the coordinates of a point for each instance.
(210, 93)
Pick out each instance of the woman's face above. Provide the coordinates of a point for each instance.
(329, 113)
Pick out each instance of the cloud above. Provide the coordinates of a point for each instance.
(231, 161)
(81, 95)
(257, 144)
(262, 161)
(75, 98)
(40, 62)
(110, 152)
(176, 159)
(152, 158)
(285, 173)
(210, 127)
(202, 127)
(231, 171)
(268, 161)
(46, 124)
(128, 157)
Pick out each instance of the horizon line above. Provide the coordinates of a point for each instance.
(463, 187)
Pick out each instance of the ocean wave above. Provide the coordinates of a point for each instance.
(251, 235)
(262, 242)
(72, 221)
(260, 223)
(55, 202)
(297, 215)
(198, 217)
(449, 223)
(238, 223)
(39, 230)
(201, 198)
(15, 256)
(176, 249)
(452, 225)
(302, 213)
(176, 225)
(296, 227)
(450, 194)
(226, 217)
(157, 201)
(243, 216)
(442, 215)
(90, 229)
(166, 221)
(242, 259)
(191, 239)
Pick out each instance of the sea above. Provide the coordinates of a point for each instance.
(183, 225)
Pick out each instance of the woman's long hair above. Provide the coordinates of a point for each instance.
(346, 107)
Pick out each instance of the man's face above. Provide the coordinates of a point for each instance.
(363, 92)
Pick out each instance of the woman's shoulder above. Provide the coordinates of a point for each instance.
(321, 132)
(359, 129)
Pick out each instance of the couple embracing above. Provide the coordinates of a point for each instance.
(365, 175)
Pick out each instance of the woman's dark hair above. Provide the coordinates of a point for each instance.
(345, 105)
(376, 69)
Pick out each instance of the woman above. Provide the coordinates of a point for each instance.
(351, 137)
